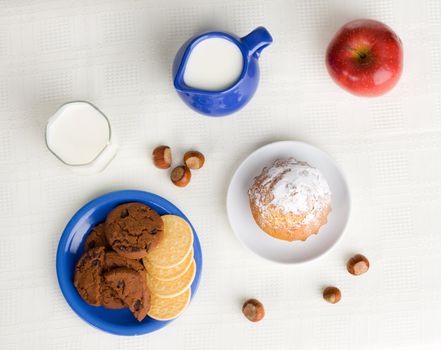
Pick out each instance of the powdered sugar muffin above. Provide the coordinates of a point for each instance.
(290, 200)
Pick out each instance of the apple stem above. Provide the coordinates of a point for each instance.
(362, 55)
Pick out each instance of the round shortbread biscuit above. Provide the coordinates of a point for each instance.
(173, 288)
(170, 273)
(164, 309)
(175, 245)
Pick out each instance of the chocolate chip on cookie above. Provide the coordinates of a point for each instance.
(96, 238)
(131, 287)
(88, 275)
(133, 229)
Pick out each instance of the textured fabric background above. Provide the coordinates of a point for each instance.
(118, 54)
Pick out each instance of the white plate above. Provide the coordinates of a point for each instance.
(273, 249)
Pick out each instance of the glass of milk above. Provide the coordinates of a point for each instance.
(217, 73)
(80, 136)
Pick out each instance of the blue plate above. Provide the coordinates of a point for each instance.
(71, 247)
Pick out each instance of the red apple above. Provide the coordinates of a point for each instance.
(365, 57)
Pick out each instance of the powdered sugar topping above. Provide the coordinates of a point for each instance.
(296, 188)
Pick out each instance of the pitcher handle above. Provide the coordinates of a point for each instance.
(257, 40)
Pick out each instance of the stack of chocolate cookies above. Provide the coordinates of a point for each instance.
(110, 272)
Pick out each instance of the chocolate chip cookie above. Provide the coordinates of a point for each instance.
(112, 260)
(88, 275)
(96, 238)
(132, 229)
(131, 287)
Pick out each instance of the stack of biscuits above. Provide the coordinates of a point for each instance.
(171, 269)
(111, 273)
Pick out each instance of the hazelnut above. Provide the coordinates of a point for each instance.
(357, 265)
(181, 176)
(162, 157)
(253, 310)
(332, 295)
(194, 160)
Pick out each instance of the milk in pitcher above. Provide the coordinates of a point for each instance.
(214, 64)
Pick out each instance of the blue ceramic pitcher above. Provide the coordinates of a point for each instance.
(230, 100)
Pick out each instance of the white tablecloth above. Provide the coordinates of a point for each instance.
(118, 55)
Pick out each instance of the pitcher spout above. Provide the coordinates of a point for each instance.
(257, 40)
